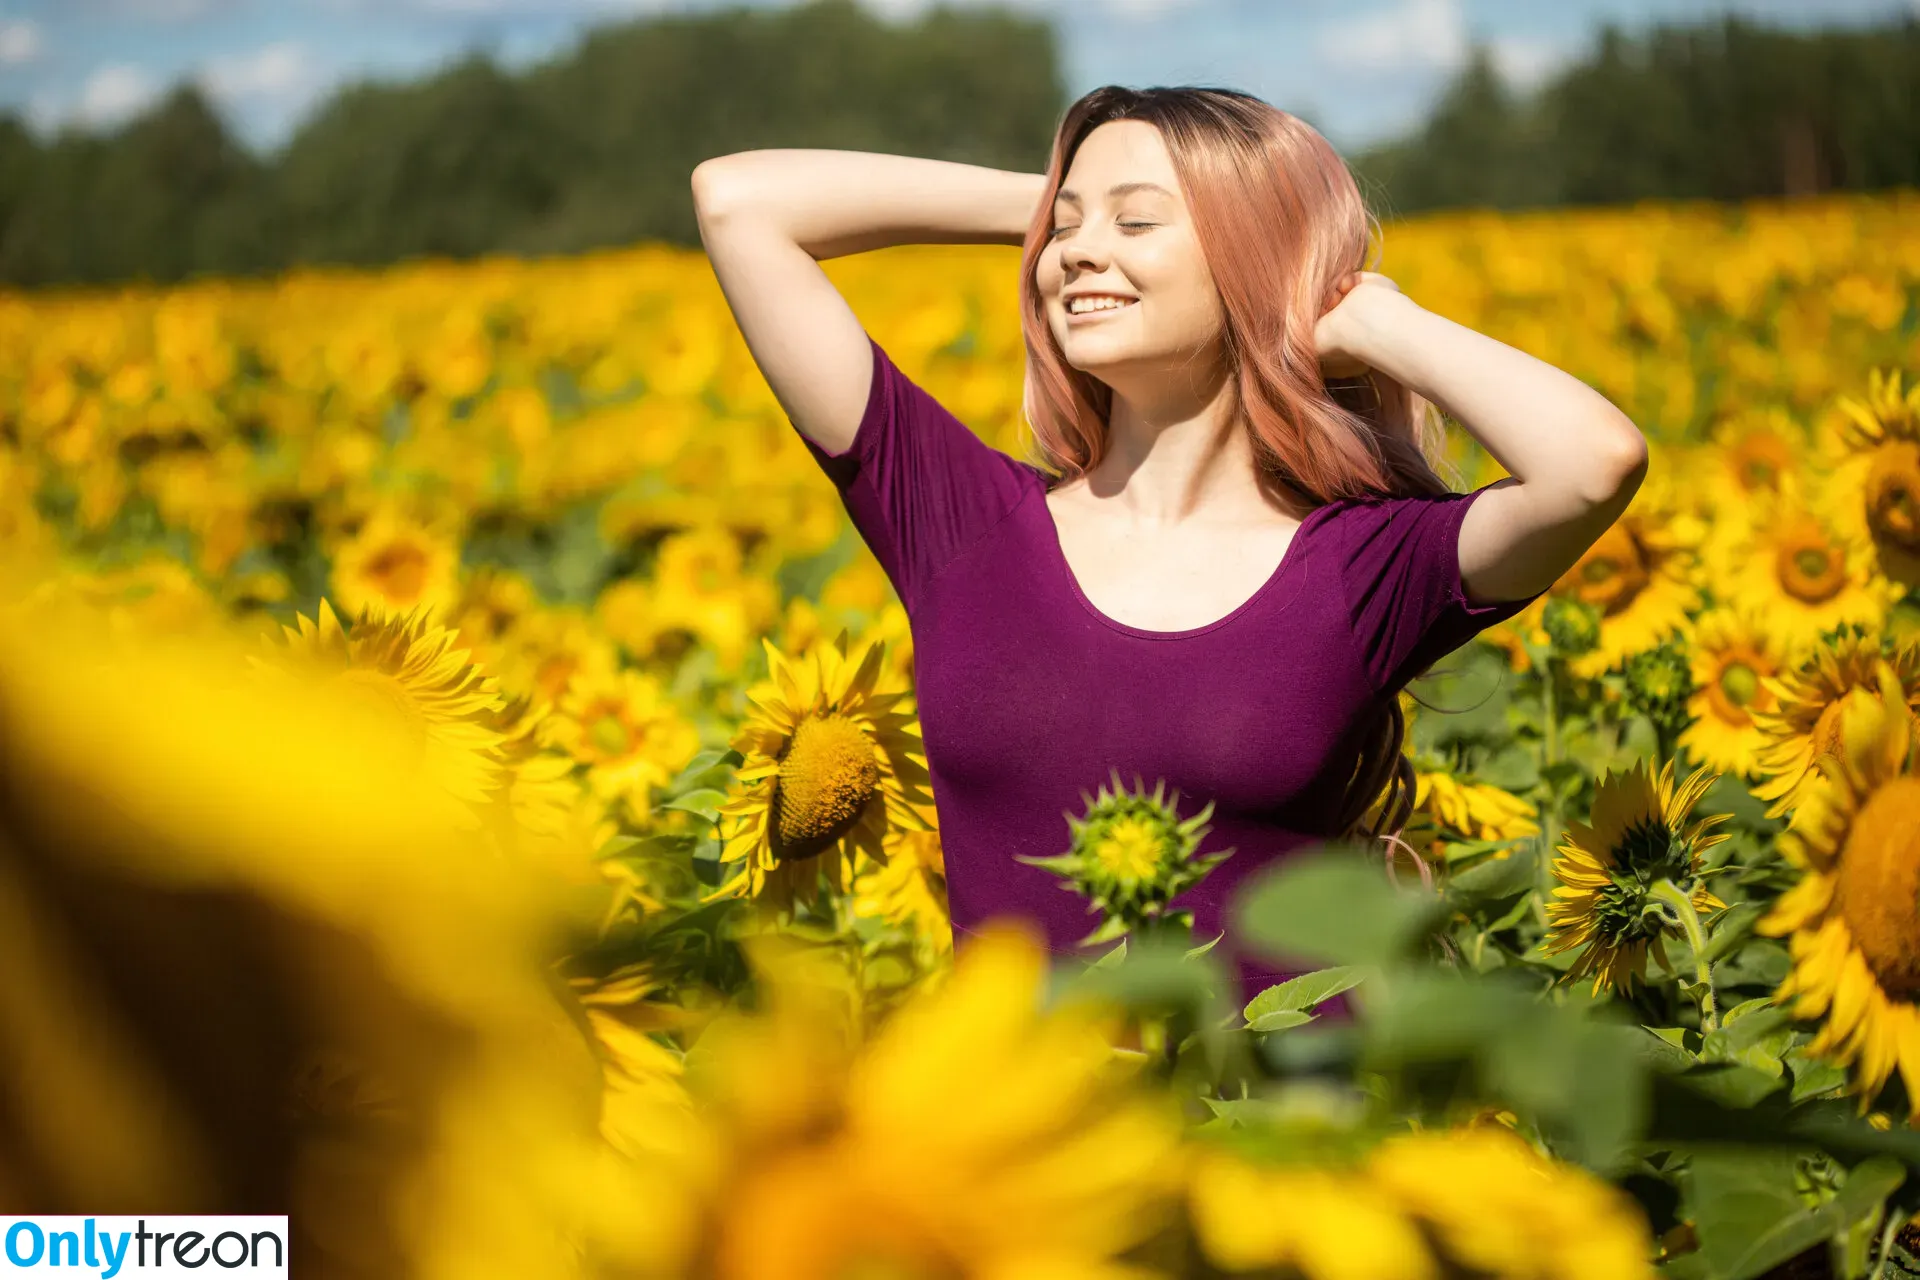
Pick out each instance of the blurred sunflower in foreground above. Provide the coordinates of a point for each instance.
(1856, 959)
(405, 670)
(269, 970)
(832, 766)
(1626, 874)
(1419, 1206)
(816, 1152)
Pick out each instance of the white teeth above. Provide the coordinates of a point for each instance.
(1079, 305)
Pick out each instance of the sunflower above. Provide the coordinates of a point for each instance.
(1878, 442)
(909, 891)
(1132, 854)
(832, 766)
(1734, 655)
(1813, 703)
(818, 1149)
(1476, 1200)
(1639, 574)
(406, 672)
(1738, 473)
(546, 648)
(627, 731)
(1800, 571)
(1445, 807)
(1850, 919)
(540, 794)
(398, 563)
(1619, 874)
(704, 587)
(1756, 458)
(490, 604)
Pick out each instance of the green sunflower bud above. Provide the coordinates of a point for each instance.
(1572, 625)
(1132, 854)
(1659, 682)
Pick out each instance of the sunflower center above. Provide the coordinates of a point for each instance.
(1893, 496)
(1810, 570)
(1734, 691)
(1759, 459)
(1878, 888)
(827, 776)
(1130, 849)
(609, 736)
(401, 570)
(1612, 573)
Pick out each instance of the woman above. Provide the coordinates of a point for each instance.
(1232, 552)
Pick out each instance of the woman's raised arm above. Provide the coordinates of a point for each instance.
(1576, 460)
(769, 218)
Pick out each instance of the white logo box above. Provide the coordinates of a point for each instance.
(80, 1248)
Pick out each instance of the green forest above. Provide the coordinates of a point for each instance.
(595, 148)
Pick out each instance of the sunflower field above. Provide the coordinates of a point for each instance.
(460, 786)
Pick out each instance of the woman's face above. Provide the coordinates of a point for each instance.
(1121, 227)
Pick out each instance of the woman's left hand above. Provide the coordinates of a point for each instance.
(1344, 328)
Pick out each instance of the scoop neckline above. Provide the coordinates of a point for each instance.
(1059, 553)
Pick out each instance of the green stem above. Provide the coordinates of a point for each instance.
(1549, 711)
(1887, 1233)
(1668, 892)
(1550, 813)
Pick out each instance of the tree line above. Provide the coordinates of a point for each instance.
(594, 148)
(1726, 110)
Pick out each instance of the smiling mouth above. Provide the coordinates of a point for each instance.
(1108, 309)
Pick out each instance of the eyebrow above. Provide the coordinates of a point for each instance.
(1117, 189)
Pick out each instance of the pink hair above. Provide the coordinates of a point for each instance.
(1280, 222)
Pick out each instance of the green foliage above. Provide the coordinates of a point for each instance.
(593, 149)
(1722, 110)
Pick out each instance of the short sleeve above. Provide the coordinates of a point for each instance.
(1401, 572)
(918, 484)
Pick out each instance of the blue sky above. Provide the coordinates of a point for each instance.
(1360, 69)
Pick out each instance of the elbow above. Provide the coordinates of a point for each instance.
(1615, 466)
(709, 183)
(718, 184)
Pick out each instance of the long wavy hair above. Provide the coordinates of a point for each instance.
(1280, 221)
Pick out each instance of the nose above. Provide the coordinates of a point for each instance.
(1084, 250)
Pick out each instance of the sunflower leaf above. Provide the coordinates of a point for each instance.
(1494, 880)
(1279, 1020)
(1747, 1213)
(1303, 992)
(1332, 904)
(703, 800)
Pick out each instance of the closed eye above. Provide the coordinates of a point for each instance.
(1124, 226)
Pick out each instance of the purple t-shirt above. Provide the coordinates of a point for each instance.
(1029, 696)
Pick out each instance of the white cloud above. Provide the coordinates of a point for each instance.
(20, 42)
(278, 71)
(112, 94)
(1411, 34)
(1526, 62)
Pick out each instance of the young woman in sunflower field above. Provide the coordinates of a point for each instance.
(1229, 551)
